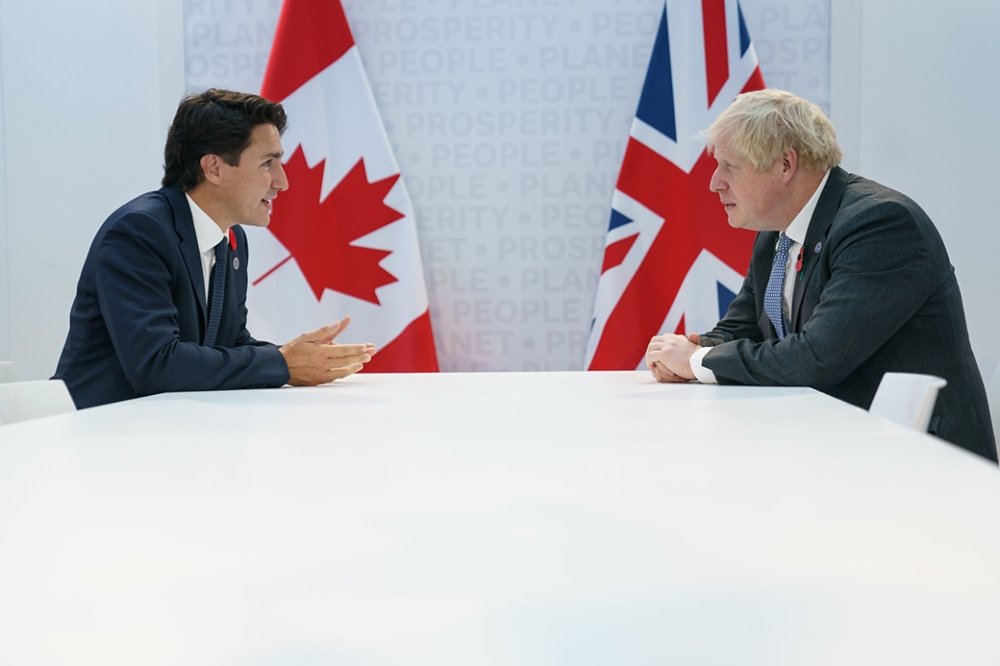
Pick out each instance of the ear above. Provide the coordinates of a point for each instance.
(211, 166)
(789, 164)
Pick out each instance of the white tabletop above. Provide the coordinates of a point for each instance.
(494, 518)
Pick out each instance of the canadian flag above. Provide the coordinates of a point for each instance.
(342, 238)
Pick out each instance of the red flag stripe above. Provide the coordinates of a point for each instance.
(755, 82)
(615, 253)
(716, 49)
(412, 350)
(641, 176)
(311, 35)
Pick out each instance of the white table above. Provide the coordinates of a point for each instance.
(479, 519)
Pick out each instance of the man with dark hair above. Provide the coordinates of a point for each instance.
(161, 301)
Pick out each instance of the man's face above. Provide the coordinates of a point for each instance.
(249, 188)
(752, 199)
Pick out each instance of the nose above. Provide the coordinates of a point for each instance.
(280, 180)
(715, 183)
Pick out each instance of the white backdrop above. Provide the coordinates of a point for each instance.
(87, 91)
(509, 120)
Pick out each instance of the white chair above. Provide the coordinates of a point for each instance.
(6, 371)
(993, 393)
(20, 401)
(907, 398)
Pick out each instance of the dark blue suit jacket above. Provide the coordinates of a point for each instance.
(138, 320)
(877, 293)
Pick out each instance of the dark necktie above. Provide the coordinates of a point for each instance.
(775, 285)
(216, 292)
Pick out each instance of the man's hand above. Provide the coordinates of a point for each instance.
(668, 357)
(314, 358)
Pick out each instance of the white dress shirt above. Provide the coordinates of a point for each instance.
(797, 231)
(208, 234)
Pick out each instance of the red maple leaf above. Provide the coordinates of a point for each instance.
(320, 234)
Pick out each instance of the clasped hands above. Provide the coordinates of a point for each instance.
(314, 358)
(668, 356)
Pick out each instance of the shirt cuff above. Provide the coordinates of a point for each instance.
(701, 373)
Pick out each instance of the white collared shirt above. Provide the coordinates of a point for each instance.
(796, 230)
(208, 234)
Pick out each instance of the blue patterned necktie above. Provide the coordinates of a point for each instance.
(775, 285)
(217, 292)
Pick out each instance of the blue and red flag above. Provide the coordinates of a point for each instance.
(671, 262)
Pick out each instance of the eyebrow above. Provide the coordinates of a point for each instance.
(721, 158)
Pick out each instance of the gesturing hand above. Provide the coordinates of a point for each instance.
(314, 358)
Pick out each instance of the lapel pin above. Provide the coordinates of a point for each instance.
(236, 263)
(818, 247)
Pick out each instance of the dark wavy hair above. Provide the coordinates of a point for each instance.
(215, 122)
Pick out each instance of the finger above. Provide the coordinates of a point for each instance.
(695, 338)
(322, 335)
(370, 349)
(657, 373)
(342, 326)
(668, 374)
(344, 371)
(337, 351)
(353, 359)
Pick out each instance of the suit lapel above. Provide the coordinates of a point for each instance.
(819, 227)
(184, 226)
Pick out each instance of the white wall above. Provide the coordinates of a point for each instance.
(915, 97)
(88, 92)
(4, 256)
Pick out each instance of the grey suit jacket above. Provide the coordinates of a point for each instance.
(876, 293)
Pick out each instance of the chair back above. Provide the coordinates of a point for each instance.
(907, 398)
(993, 394)
(20, 401)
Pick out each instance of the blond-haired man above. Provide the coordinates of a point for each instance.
(848, 279)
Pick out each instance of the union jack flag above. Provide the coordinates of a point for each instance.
(671, 261)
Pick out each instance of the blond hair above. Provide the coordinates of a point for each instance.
(763, 124)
